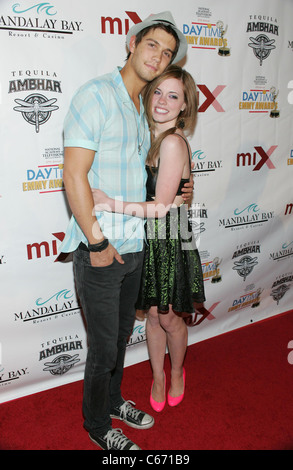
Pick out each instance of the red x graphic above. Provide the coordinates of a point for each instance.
(211, 98)
(265, 157)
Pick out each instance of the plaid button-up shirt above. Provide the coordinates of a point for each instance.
(103, 118)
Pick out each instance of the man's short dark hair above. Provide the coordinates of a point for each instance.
(163, 26)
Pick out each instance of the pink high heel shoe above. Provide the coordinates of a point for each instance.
(157, 406)
(174, 401)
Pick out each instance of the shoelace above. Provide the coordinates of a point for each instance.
(115, 438)
(127, 409)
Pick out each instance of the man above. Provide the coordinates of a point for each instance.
(106, 140)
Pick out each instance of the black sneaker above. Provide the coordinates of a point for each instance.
(114, 440)
(131, 416)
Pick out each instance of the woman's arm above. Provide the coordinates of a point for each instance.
(173, 159)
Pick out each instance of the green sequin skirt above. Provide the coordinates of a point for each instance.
(172, 273)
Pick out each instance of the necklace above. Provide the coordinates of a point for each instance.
(138, 129)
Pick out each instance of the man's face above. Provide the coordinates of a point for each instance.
(153, 54)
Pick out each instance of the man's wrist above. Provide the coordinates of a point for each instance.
(98, 247)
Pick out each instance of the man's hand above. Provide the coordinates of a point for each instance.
(187, 191)
(106, 257)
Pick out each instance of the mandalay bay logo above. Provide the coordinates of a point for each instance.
(247, 217)
(39, 21)
(62, 304)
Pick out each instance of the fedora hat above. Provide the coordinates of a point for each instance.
(166, 18)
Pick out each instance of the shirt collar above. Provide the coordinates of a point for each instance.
(122, 90)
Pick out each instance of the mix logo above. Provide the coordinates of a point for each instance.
(289, 209)
(117, 25)
(45, 248)
(249, 159)
(210, 98)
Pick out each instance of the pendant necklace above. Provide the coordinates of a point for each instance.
(138, 129)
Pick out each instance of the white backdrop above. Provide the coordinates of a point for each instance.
(243, 203)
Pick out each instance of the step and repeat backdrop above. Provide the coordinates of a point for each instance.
(240, 54)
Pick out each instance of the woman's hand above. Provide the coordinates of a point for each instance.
(102, 202)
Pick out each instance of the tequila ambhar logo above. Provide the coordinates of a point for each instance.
(262, 45)
(61, 364)
(36, 109)
(60, 348)
(246, 263)
(281, 285)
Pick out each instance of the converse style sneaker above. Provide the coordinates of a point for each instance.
(131, 416)
(114, 440)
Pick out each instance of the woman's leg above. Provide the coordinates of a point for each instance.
(176, 332)
(156, 341)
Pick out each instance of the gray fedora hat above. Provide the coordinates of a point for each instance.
(166, 18)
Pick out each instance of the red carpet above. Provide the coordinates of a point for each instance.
(238, 397)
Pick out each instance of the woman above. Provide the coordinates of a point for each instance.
(172, 278)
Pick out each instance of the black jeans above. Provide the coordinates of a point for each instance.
(108, 297)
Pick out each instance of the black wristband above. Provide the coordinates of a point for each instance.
(99, 246)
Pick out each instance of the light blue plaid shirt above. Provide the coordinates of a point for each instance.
(102, 117)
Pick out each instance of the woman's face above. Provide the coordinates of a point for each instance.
(168, 101)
